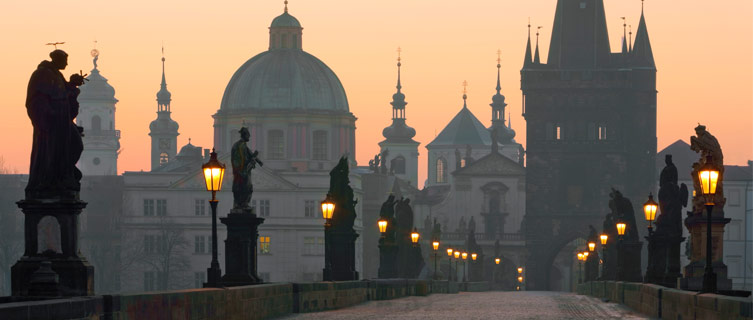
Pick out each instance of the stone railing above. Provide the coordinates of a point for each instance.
(461, 236)
(247, 302)
(666, 303)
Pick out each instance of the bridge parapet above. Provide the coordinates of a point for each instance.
(666, 303)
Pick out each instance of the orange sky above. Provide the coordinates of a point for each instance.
(703, 52)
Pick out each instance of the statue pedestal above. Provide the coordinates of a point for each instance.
(630, 263)
(341, 256)
(696, 224)
(240, 248)
(387, 260)
(54, 240)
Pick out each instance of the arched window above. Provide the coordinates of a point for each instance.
(96, 124)
(275, 145)
(163, 158)
(441, 170)
(398, 165)
(319, 146)
(294, 41)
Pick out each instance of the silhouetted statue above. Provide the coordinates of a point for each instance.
(436, 231)
(383, 157)
(387, 212)
(458, 159)
(623, 210)
(472, 225)
(672, 198)
(345, 203)
(374, 164)
(243, 161)
(51, 103)
(705, 143)
(461, 225)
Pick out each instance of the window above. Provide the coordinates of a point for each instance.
(198, 279)
(309, 208)
(148, 207)
(199, 245)
(319, 145)
(96, 124)
(264, 245)
(294, 41)
(558, 132)
(398, 165)
(441, 171)
(163, 158)
(150, 281)
(602, 132)
(275, 145)
(150, 245)
(199, 207)
(263, 208)
(161, 207)
(313, 246)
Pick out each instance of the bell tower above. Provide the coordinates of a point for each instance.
(163, 130)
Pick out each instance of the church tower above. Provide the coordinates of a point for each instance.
(402, 154)
(504, 133)
(97, 117)
(163, 130)
(591, 126)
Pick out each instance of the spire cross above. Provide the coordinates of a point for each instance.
(95, 43)
(286, 6)
(399, 50)
(499, 57)
(189, 140)
(465, 88)
(529, 26)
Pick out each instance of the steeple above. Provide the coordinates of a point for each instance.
(642, 54)
(630, 39)
(498, 130)
(465, 94)
(163, 96)
(536, 59)
(624, 36)
(579, 35)
(528, 60)
(398, 131)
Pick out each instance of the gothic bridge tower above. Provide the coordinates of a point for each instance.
(591, 125)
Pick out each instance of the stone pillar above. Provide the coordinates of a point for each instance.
(341, 255)
(696, 224)
(672, 273)
(387, 260)
(51, 234)
(240, 248)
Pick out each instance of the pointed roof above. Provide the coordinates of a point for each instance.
(527, 61)
(642, 54)
(536, 58)
(399, 131)
(463, 129)
(163, 96)
(579, 35)
(493, 164)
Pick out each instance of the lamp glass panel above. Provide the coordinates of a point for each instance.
(621, 229)
(603, 239)
(435, 244)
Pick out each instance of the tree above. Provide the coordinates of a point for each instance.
(164, 252)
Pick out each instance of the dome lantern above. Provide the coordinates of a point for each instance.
(285, 32)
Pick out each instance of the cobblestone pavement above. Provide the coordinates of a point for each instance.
(483, 305)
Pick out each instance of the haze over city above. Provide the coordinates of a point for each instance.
(702, 50)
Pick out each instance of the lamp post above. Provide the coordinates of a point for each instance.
(435, 246)
(214, 171)
(449, 272)
(621, 226)
(457, 258)
(328, 208)
(465, 266)
(414, 236)
(494, 273)
(603, 238)
(580, 267)
(649, 212)
(708, 176)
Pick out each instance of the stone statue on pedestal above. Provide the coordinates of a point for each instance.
(243, 161)
(664, 259)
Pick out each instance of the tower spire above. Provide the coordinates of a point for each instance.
(624, 36)
(630, 40)
(642, 55)
(536, 59)
(499, 65)
(398, 99)
(399, 64)
(528, 58)
(465, 94)
(163, 96)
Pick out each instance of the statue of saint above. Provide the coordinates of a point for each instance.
(51, 103)
(705, 143)
(243, 161)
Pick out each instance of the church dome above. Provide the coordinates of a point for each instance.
(285, 79)
(285, 20)
(97, 88)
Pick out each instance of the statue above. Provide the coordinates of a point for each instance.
(672, 198)
(51, 103)
(706, 144)
(345, 203)
(461, 225)
(243, 161)
(387, 212)
(374, 164)
(472, 225)
(458, 159)
(436, 231)
(468, 154)
(622, 208)
(383, 157)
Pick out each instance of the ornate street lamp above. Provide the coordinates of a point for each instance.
(465, 266)
(414, 236)
(520, 270)
(621, 228)
(520, 279)
(580, 267)
(649, 210)
(708, 177)
(457, 259)
(449, 275)
(497, 261)
(435, 244)
(473, 256)
(591, 246)
(382, 223)
(328, 209)
(603, 239)
(214, 171)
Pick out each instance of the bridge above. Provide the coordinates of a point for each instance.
(390, 299)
